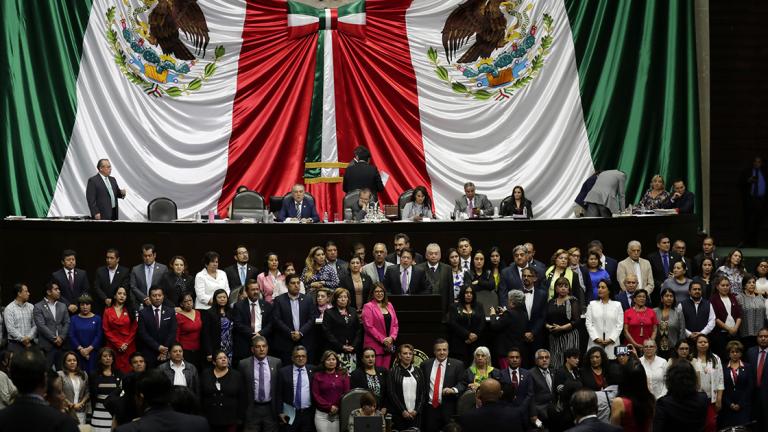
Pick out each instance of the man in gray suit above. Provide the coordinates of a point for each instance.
(260, 379)
(378, 267)
(52, 321)
(473, 204)
(439, 276)
(144, 276)
(607, 195)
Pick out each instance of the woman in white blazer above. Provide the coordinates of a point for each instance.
(208, 280)
(604, 320)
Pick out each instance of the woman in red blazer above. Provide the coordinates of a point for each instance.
(380, 325)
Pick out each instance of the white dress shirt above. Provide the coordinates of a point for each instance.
(178, 374)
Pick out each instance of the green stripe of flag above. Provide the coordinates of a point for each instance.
(638, 79)
(40, 50)
(314, 146)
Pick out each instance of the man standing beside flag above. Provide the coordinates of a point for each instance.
(102, 192)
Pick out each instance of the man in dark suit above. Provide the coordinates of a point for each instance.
(584, 409)
(146, 275)
(516, 381)
(707, 251)
(157, 328)
(681, 199)
(108, 279)
(72, 281)
(361, 174)
(662, 260)
(542, 378)
(535, 264)
(29, 412)
(52, 321)
(512, 276)
(293, 390)
(102, 192)
(405, 279)
(754, 187)
(297, 206)
(153, 394)
(625, 296)
(445, 383)
(758, 357)
(332, 258)
(402, 241)
(252, 317)
(259, 373)
(240, 272)
(610, 265)
(294, 320)
(439, 277)
(536, 309)
(492, 414)
(698, 313)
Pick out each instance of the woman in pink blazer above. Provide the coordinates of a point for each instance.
(380, 325)
(270, 279)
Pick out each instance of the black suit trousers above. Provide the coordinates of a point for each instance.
(434, 418)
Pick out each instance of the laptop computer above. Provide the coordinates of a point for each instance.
(369, 424)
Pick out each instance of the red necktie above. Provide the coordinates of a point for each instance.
(436, 392)
(760, 364)
(515, 381)
(735, 375)
(253, 316)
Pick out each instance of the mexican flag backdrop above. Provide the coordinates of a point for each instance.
(190, 99)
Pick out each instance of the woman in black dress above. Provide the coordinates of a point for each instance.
(407, 390)
(357, 283)
(177, 281)
(481, 280)
(466, 321)
(372, 378)
(221, 390)
(342, 329)
(218, 327)
(518, 205)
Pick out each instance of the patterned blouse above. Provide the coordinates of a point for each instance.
(654, 203)
(752, 312)
(734, 275)
(327, 275)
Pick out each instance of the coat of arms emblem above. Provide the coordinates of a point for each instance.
(508, 48)
(148, 48)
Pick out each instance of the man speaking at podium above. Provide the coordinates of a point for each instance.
(102, 192)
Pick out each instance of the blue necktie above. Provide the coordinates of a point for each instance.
(262, 393)
(242, 276)
(297, 398)
(665, 261)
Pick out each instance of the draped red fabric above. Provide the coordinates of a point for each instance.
(271, 107)
(376, 104)
(377, 101)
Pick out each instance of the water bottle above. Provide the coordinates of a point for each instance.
(325, 217)
(198, 217)
(211, 215)
(457, 215)
(495, 211)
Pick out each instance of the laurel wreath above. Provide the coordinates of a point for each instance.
(119, 57)
(482, 94)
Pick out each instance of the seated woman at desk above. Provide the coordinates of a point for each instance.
(420, 206)
(656, 195)
(518, 205)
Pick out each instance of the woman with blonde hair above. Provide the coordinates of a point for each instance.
(317, 273)
(656, 195)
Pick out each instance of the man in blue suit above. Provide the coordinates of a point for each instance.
(157, 328)
(293, 383)
(584, 407)
(516, 381)
(294, 320)
(297, 206)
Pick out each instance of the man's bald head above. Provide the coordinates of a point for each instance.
(489, 391)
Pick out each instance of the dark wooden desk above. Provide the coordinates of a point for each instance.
(31, 249)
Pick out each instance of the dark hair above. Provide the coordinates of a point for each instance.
(127, 305)
(462, 292)
(215, 306)
(439, 341)
(708, 355)
(427, 199)
(385, 300)
(674, 355)
(99, 366)
(68, 253)
(291, 277)
(210, 256)
(114, 251)
(745, 280)
(403, 236)
(134, 355)
(28, 370)
(501, 259)
(155, 387)
(18, 287)
(148, 247)
(184, 260)
(5, 360)
(175, 344)
(661, 297)
(184, 401)
(635, 388)
(681, 380)
(727, 261)
(682, 263)
(757, 266)
(78, 371)
(330, 243)
(595, 244)
(367, 399)
(408, 250)
(695, 282)
(661, 236)
(570, 353)
(638, 292)
(583, 402)
(49, 286)
(486, 262)
(462, 239)
(604, 365)
(522, 195)
(337, 293)
(266, 262)
(85, 299)
(362, 153)
(99, 162)
(155, 288)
